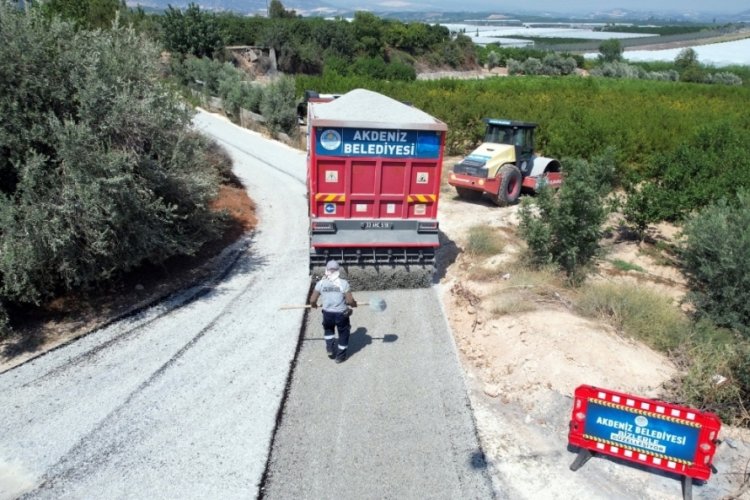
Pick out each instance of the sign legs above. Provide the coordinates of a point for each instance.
(583, 456)
(687, 488)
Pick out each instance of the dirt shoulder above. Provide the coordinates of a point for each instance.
(525, 350)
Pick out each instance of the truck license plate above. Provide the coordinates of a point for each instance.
(376, 225)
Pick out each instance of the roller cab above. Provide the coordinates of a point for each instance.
(504, 165)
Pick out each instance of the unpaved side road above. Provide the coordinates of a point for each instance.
(393, 421)
(181, 400)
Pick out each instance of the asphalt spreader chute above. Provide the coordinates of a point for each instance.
(383, 277)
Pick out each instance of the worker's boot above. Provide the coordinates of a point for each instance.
(340, 354)
(331, 347)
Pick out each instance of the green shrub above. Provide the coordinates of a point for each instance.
(716, 257)
(252, 96)
(552, 64)
(618, 69)
(503, 54)
(101, 172)
(373, 67)
(723, 78)
(715, 374)
(565, 228)
(191, 32)
(532, 66)
(610, 50)
(693, 74)
(5, 329)
(710, 164)
(279, 108)
(201, 74)
(493, 59)
(514, 67)
(666, 76)
(740, 370)
(641, 207)
(400, 71)
(98, 14)
(334, 63)
(557, 64)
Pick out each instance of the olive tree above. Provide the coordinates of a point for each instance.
(563, 228)
(716, 257)
(610, 50)
(99, 169)
(278, 106)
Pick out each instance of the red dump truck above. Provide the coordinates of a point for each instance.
(373, 179)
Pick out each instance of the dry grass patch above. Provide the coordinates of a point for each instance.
(637, 312)
(484, 241)
(502, 305)
(487, 273)
(523, 290)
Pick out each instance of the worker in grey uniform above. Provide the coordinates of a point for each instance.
(336, 299)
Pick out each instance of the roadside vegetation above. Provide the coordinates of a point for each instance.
(636, 118)
(686, 68)
(99, 172)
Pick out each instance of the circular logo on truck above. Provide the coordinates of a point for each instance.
(330, 208)
(641, 421)
(330, 139)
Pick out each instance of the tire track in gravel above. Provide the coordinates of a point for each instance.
(176, 401)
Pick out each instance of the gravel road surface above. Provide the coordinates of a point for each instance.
(180, 401)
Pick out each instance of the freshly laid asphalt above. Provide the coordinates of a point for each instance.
(393, 421)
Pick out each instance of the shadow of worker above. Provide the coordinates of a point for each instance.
(359, 339)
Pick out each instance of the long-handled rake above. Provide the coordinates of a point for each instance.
(376, 304)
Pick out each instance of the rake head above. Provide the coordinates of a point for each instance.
(376, 304)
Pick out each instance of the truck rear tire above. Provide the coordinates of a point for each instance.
(468, 194)
(510, 185)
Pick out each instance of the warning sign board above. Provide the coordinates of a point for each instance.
(662, 435)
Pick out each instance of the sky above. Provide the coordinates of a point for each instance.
(719, 6)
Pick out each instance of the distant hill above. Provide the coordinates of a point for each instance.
(337, 8)
(246, 7)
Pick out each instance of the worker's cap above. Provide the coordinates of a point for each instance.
(332, 265)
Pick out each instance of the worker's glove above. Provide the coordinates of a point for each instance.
(314, 305)
(353, 303)
(349, 311)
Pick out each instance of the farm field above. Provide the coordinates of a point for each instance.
(721, 53)
(483, 35)
(736, 52)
